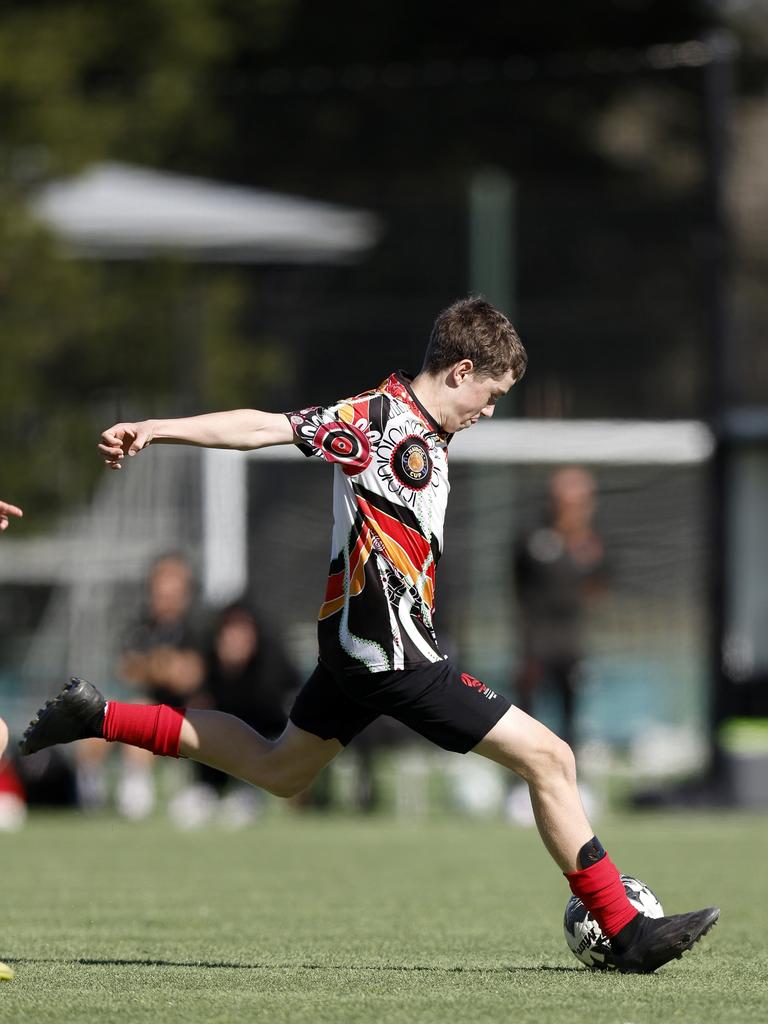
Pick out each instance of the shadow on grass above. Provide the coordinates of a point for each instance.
(224, 965)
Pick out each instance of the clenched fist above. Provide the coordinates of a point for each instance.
(124, 439)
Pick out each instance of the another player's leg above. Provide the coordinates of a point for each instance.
(284, 766)
(6, 972)
(547, 764)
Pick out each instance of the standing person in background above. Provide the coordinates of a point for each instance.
(558, 567)
(162, 660)
(248, 675)
(8, 510)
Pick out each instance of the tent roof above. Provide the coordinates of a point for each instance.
(118, 211)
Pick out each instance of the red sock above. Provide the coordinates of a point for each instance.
(602, 892)
(155, 727)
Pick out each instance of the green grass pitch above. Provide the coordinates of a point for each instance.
(337, 919)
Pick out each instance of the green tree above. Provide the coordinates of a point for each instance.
(82, 342)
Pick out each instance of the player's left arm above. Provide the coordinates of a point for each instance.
(241, 429)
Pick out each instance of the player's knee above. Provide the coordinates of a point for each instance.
(566, 760)
(552, 759)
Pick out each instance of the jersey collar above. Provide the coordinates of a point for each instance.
(398, 384)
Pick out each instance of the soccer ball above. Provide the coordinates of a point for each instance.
(585, 937)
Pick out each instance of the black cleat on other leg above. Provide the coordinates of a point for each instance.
(656, 941)
(76, 713)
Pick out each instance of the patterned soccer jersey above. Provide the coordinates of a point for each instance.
(390, 492)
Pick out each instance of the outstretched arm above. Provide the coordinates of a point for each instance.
(7, 510)
(243, 429)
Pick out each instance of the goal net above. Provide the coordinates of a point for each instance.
(260, 523)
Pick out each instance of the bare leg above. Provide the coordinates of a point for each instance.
(537, 755)
(284, 766)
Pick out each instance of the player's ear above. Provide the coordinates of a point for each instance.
(461, 370)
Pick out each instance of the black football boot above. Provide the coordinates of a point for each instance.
(76, 713)
(654, 941)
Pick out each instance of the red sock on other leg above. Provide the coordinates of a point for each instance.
(155, 727)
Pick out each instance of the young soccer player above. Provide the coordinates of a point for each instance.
(378, 651)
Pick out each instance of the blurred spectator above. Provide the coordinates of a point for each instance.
(162, 650)
(247, 674)
(162, 660)
(557, 568)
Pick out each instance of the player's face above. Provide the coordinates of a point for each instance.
(475, 396)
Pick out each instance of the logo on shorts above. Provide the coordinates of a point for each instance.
(411, 463)
(475, 684)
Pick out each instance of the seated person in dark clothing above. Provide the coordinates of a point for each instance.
(247, 674)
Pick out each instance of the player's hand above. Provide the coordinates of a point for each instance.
(124, 439)
(8, 510)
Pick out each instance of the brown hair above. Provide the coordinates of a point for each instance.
(473, 329)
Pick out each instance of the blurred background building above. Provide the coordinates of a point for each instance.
(225, 203)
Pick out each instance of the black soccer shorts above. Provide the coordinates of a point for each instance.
(448, 707)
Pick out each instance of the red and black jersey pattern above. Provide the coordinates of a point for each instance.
(390, 493)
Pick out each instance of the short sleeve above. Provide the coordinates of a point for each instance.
(339, 433)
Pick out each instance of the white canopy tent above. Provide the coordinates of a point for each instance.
(114, 211)
(118, 211)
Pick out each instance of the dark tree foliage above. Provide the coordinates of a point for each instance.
(392, 106)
